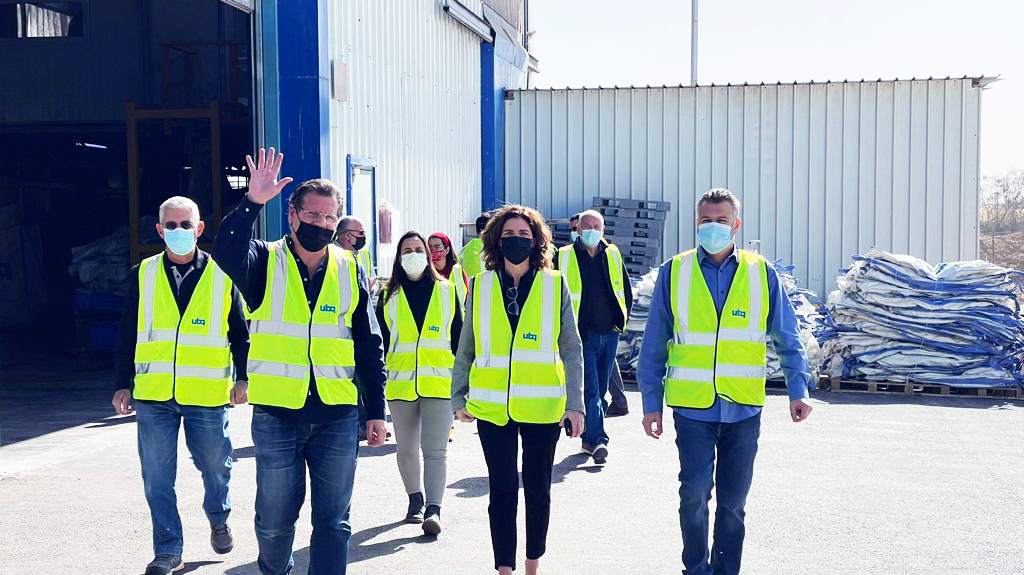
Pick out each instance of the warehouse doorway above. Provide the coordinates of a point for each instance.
(120, 104)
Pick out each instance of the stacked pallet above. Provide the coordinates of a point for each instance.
(636, 227)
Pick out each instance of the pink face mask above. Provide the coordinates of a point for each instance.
(437, 255)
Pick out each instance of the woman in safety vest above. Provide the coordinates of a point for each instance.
(447, 264)
(519, 373)
(420, 318)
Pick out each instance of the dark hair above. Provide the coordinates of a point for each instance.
(539, 257)
(719, 196)
(575, 217)
(320, 187)
(481, 221)
(398, 275)
(449, 260)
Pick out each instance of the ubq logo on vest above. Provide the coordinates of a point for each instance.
(198, 321)
(435, 328)
(530, 336)
(328, 308)
(739, 313)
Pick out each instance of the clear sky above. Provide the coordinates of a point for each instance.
(586, 43)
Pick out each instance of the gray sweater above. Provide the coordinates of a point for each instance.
(570, 348)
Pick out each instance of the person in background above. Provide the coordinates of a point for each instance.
(519, 374)
(617, 390)
(421, 319)
(472, 256)
(574, 228)
(352, 237)
(312, 329)
(181, 330)
(442, 257)
(601, 297)
(703, 354)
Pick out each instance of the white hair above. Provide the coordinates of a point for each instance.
(180, 203)
(592, 214)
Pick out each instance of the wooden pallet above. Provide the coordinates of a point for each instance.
(911, 388)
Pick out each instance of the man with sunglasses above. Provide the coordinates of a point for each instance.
(181, 330)
(312, 331)
(352, 237)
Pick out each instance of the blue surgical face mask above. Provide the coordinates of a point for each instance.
(714, 237)
(180, 241)
(573, 236)
(591, 238)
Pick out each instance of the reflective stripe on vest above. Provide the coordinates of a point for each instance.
(711, 356)
(517, 376)
(458, 279)
(472, 257)
(187, 356)
(286, 339)
(365, 262)
(569, 265)
(420, 361)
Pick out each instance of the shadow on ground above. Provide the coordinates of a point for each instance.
(41, 398)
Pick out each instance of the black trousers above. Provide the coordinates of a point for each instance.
(501, 451)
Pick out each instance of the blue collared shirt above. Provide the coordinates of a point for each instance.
(782, 327)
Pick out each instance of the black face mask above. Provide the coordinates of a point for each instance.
(516, 249)
(313, 238)
(359, 244)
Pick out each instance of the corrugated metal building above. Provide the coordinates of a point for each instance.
(824, 170)
(400, 102)
(412, 108)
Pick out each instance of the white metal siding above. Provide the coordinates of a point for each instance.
(824, 171)
(413, 106)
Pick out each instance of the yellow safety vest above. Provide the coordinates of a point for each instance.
(472, 257)
(364, 261)
(420, 361)
(711, 357)
(285, 339)
(570, 266)
(461, 290)
(186, 357)
(517, 376)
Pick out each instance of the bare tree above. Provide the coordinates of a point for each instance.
(1001, 216)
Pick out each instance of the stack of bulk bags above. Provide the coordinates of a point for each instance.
(897, 319)
(810, 322)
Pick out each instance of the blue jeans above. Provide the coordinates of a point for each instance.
(284, 449)
(598, 355)
(736, 444)
(206, 436)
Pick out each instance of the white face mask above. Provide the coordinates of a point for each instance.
(414, 264)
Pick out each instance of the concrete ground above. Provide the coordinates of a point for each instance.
(868, 485)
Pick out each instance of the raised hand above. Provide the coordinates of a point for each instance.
(263, 182)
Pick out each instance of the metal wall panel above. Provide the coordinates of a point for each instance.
(824, 171)
(413, 106)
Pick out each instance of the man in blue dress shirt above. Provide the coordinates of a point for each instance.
(709, 367)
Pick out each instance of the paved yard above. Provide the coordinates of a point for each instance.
(869, 484)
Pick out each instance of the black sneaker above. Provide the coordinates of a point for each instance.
(587, 448)
(415, 512)
(600, 454)
(221, 539)
(616, 411)
(432, 523)
(164, 564)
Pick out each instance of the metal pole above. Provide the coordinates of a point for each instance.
(693, 45)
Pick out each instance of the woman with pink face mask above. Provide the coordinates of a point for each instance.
(447, 265)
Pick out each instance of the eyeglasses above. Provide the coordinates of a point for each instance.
(512, 294)
(312, 217)
(185, 225)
